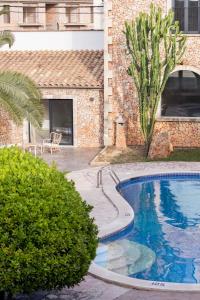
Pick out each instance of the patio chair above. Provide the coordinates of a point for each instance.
(53, 143)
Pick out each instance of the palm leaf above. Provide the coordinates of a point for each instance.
(6, 37)
(4, 11)
(21, 98)
(19, 95)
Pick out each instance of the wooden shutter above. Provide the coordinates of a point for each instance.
(6, 17)
(29, 15)
(193, 16)
(179, 11)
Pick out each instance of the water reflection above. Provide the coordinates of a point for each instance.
(165, 223)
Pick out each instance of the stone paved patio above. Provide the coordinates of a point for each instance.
(71, 159)
(105, 213)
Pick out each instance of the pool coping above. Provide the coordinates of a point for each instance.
(124, 219)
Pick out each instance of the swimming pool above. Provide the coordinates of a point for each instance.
(163, 244)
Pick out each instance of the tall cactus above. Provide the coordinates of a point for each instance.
(155, 45)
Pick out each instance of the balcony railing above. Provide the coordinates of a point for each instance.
(189, 18)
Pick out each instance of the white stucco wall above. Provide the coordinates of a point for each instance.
(55, 40)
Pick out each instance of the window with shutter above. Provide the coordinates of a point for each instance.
(72, 14)
(193, 16)
(187, 12)
(29, 15)
(179, 12)
(6, 16)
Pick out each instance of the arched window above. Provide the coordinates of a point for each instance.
(181, 96)
(187, 12)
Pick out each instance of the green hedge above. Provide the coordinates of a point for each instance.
(47, 239)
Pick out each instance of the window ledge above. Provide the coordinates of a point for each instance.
(192, 34)
(178, 119)
(75, 24)
(30, 25)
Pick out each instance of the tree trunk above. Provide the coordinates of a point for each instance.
(147, 147)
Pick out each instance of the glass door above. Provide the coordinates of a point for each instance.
(61, 119)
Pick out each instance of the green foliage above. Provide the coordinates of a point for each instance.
(6, 37)
(155, 45)
(21, 98)
(184, 155)
(46, 235)
(19, 95)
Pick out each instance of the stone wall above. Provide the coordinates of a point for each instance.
(9, 132)
(182, 133)
(87, 118)
(88, 114)
(123, 97)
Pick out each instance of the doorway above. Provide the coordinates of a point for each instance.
(51, 17)
(61, 119)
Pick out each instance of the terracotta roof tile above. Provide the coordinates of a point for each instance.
(70, 69)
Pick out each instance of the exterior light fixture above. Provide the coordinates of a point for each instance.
(120, 120)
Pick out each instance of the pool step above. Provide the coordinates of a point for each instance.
(101, 249)
(118, 262)
(125, 257)
(111, 252)
(144, 262)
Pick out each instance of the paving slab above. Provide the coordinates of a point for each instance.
(91, 289)
(71, 159)
(149, 295)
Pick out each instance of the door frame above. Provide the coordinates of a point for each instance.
(47, 7)
(74, 98)
(50, 119)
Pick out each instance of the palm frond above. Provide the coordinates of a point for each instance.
(6, 38)
(11, 109)
(21, 98)
(4, 11)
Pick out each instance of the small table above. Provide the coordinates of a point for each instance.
(34, 147)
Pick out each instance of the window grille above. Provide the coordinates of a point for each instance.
(187, 12)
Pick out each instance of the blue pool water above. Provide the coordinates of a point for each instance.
(163, 244)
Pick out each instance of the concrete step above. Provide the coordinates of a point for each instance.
(110, 252)
(119, 262)
(125, 257)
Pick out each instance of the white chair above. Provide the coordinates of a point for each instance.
(53, 143)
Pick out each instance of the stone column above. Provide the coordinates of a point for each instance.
(108, 121)
(120, 141)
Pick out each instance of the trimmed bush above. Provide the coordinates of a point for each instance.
(47, 239)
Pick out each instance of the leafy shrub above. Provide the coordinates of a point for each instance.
(47, 239)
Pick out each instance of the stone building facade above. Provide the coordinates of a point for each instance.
(183, 123)
(98, 100)
(71, 83)
(50, 15)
